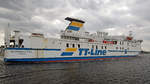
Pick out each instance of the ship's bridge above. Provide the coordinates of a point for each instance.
(76, 31)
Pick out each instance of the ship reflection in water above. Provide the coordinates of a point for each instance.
(134, 70)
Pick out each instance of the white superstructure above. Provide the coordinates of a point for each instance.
(74, 44)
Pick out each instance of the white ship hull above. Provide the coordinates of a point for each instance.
(56, 55)
(74, 45)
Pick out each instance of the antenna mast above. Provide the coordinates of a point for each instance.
(7, 36)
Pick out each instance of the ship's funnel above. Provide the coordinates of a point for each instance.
(75, 24)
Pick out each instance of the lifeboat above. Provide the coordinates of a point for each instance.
(129, 38)
(109, 42)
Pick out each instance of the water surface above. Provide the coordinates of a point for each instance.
(134, 70)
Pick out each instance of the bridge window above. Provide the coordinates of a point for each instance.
(73, 45)
(92, 46)
(115, 42)
(96, 47)
(102, 47)
(22, 46)
(105, 47)
(78, 45)
(67, 45)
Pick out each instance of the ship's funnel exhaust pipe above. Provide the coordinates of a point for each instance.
(75, 24)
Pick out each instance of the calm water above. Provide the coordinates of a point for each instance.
(135, 70)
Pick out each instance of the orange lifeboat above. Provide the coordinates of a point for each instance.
(108, 42)
(129, 38)
(91, 40)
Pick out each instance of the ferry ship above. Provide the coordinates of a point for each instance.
(74, 44)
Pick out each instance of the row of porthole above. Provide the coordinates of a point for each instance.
(73, 46)
(121, 48)
(102, 47)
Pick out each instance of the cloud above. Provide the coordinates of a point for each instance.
(47, 16)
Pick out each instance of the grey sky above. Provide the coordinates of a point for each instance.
(47, 16)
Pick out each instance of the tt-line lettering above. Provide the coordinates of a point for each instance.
(86, 51)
